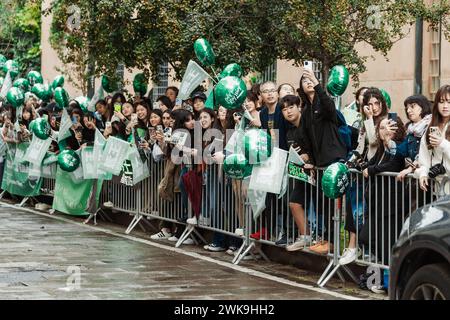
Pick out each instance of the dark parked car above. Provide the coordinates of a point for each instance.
(420, 264)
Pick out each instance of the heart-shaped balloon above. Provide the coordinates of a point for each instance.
(140, 84)
(237, 167)
(13, 67)
(230, 92)
(61, 97)
(68, 160)
(15, 97)
(22, 83)
(34, 77)
(257, 146)
(41, 128)
(233, 69)
(58, 82)
(204, 52)
(335, 180)
(338, 80)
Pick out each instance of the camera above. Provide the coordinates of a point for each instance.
(436, 170)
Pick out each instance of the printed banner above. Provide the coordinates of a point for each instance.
(192, 78)
(16, 178)
(70, 196)
(295, 168)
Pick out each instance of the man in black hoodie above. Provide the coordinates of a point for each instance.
(319, 124)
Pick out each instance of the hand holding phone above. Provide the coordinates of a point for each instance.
(308, 65)
(117, 107)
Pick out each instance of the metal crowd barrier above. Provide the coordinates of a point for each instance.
(379, 207)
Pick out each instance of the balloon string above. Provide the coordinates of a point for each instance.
(215, 75)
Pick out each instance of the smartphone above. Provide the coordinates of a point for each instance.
(178, 101)
(74, 120)
(107, 124)
(156, 105)
(393, 116)
(308, 65)
(151, 130)
(133, 117)
(435, 131)
(160, 128)
(117, 107)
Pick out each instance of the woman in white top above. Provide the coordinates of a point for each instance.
(374, 109)
(434, 149)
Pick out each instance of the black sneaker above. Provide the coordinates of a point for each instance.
(282, 242)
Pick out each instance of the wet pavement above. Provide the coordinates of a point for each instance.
(46, 258)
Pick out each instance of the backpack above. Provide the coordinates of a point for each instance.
(347, 134)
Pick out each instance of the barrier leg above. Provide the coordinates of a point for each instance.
(137, 217)
(186, 233)
(2, 194)
(24, 200)
(334, 263)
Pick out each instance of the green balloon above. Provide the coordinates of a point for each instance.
(204, 52)
(335, 180)
(257, 146)
(34, 77)
(2, 62)
(83, 102)
(15, 97)
(140, 84)
(41, 128)
(236, 166)
(61, 98)
(68, 160)
(22, 83)
(39, 91)
(107, 85)
(387, 97)
(230, 92)
(58, 82)
(233, 69)
(338, 80)
(13, 67)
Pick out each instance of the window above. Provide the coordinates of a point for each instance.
(270, 74)
(435, 62)
(159, 88)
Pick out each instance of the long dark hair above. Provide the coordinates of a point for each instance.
(211, 113)
(357, 94)
(436, 118)
(376, 93)
(143, 123)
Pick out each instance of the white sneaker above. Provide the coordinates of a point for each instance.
(192, 220)
(162, 235)
(239, 232)
(231, 251)
(42, 206)
(173, 239)
(214, 248)
(188, 241)
(249, 256)
(348, 256)
(300, 243)
(108, 204)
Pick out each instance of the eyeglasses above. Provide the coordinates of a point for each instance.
(269, 91)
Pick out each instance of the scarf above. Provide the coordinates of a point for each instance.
(418, 129)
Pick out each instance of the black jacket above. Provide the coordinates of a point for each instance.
(295, 135)
(319, 124)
